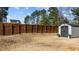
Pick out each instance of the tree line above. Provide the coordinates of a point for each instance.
(3, 14)
(52, 16)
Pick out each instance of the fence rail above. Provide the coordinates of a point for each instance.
(12, 28)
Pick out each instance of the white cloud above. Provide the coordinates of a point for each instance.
(26, 8)
(9, 16)
(70, 11)
(40, 8)
(46, 8)
(28, 14)
(17, 8)
(63, 11)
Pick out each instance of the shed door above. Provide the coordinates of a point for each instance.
(64, 31)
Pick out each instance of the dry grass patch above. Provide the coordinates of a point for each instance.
(38, 42)
(7, 42)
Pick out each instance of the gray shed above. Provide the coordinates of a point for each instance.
(68, 30)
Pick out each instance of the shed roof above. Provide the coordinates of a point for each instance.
(16, 21)
(74, 25)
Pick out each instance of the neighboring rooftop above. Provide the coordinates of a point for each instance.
(15, 21)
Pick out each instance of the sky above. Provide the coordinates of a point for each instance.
(19, 13)
(66, 11)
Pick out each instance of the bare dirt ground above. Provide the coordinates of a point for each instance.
(38, 42)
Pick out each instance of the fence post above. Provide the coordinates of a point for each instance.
(3, 29)
(45, 29)
(12, 29)
(19, 28)
(32, 28)
(26, 28)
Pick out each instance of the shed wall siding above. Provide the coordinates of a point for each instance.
(75, 31)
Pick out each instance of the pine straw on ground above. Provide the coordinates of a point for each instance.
(38, 42)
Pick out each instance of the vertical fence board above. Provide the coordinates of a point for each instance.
(15, 29)
(47, 29)
(22, 28)
(44, 29)
(29, 28)
(7, 28)
(1, 28)
(56, 29)
(39, 29)
(34, 28)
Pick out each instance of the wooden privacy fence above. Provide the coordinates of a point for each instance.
(9, 28)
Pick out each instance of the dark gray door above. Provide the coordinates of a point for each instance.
(64, 31)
